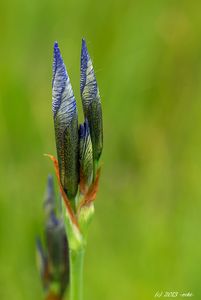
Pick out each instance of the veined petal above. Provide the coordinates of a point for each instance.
(85, 154)
(66, 125)
(59, 79)
(91, 102)
(88, 84)
(63, 100)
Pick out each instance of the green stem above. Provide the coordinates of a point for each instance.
(76, 274)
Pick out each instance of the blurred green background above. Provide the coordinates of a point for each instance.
(145, 235)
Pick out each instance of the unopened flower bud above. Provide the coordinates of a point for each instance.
(66, 125)
(91, 101)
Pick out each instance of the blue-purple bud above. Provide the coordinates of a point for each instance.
(91, 102)
(66, 125)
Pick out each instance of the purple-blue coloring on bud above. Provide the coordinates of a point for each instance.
(91, 102)
(66, 126)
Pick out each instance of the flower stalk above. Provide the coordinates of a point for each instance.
(76, 274)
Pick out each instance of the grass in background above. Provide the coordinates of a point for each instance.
(148, 63)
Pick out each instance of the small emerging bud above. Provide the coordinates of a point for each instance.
(57, 251)
(53, 260)
(91, 102)
(85, 155)
(66, 125)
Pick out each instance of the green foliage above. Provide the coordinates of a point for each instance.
(145, 234)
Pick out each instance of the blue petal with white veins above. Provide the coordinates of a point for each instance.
(66, 125)
(63, 100)
(88, 83)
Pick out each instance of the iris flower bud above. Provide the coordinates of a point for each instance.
(66, 125)
(91, 102)
(57, 252)
(85, 155)
(53, 261)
